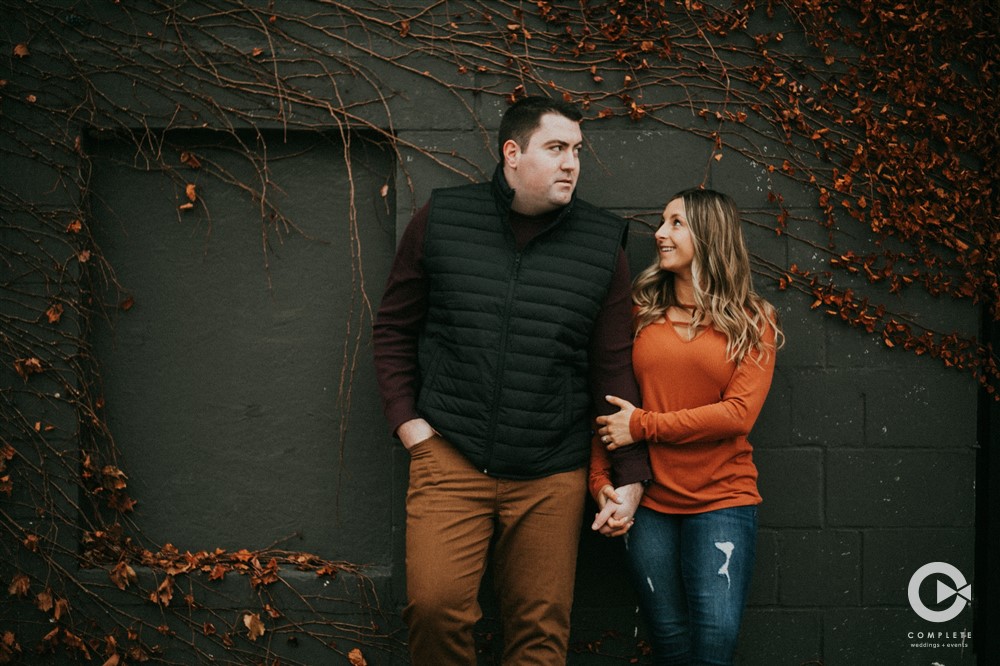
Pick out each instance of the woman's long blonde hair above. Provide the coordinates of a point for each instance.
(723, 287)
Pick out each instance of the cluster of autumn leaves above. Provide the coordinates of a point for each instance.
(260, 568)
(914, 158)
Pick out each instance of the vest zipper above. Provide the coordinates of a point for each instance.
(501, 361)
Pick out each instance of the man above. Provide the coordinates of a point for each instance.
(504, 323)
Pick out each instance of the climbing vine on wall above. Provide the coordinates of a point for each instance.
(884, 113)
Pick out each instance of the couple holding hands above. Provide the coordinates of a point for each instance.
(519, 365)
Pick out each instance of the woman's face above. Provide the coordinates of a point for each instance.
(674, 244)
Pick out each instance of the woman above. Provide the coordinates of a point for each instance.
(704, 356)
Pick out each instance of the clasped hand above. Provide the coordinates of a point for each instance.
(614, 430)
(617, 509)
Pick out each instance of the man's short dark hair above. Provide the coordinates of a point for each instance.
(521, 120)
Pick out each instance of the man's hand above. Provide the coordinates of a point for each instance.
(617, 509)
(414, 431)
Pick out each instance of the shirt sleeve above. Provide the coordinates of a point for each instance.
(732, 416)
(611, 371)
(398, 323)
(600, 467)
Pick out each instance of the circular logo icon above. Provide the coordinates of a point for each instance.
(959, 589)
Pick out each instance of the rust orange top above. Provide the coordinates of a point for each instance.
(698, 409)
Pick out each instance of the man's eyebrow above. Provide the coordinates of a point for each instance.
(562, 142)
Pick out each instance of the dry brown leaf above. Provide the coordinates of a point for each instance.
(9, 648)
(72, 640)
(190, 159)
(61, 608)
(356, 658)
(43, 601)
(19, 585)
(113, 477)
(54, 313)
(122, 575)
(255, 628)
(164, 593)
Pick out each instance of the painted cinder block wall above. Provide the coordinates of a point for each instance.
(867, 456)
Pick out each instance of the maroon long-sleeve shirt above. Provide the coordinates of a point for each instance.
(400, 320)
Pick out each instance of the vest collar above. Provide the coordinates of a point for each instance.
(503, 195)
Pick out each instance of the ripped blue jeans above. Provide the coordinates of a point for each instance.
(692, 574)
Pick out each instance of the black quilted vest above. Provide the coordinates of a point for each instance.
(504, 352)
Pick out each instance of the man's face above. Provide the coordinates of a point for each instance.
(543, 174)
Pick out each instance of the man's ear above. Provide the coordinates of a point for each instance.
(511, 151)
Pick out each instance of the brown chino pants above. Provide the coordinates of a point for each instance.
(453, 512)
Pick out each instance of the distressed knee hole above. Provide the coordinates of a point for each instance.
(727, 549)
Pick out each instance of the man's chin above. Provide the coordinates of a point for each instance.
(562, 198)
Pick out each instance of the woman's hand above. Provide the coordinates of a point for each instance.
(617, 509)
(615, 431)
